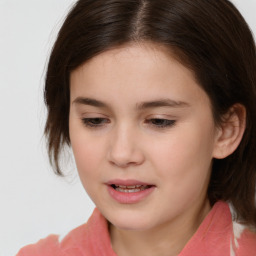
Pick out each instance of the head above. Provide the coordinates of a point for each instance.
(217, 49)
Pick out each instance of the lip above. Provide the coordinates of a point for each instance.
(127, 182)
(132, 197)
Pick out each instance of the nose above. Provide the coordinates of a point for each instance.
(124, 149)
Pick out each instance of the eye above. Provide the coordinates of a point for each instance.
(94, 122)
(161, 123)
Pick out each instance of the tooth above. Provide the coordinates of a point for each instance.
(133, 190)
(127, 190)
(130, 186)
(120, 189)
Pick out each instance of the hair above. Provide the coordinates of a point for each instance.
(210, 37)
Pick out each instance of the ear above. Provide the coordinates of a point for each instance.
(230, 132)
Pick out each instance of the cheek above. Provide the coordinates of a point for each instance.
(186, 156)
(184, 170)
(87, 155)
(88, 161)
(87, 152)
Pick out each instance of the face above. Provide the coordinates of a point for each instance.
(143, 136)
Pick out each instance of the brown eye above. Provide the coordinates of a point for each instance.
(94, 122)
(161, 123)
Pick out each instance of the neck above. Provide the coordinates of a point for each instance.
(168, 239)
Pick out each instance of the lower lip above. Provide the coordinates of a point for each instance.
(129, 198)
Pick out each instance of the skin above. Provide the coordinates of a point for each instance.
(122, 139)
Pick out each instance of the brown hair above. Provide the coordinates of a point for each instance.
(211, 37)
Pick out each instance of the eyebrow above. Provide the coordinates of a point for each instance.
(161, 103)
(140, 106)
(90, 102)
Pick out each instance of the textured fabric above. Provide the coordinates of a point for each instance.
(216, 236)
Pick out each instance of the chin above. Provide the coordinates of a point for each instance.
(131, 226)
(130, 221)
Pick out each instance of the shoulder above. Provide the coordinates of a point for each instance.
(244, 240)
(92, 238)
(47, 246)
(54, 245)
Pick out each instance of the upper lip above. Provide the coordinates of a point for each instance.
(127, 182)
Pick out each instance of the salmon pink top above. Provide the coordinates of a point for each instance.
(217, 235)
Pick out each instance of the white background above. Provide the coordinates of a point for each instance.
(33, 201)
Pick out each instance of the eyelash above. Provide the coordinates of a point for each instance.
(99, 122)
(90, 122)
(162, 123)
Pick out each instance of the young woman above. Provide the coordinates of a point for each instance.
(157, 99)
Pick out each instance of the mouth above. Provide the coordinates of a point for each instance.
(130, 188)
(129, 191)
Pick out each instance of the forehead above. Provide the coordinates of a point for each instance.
(147, 54)
(133, 72)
